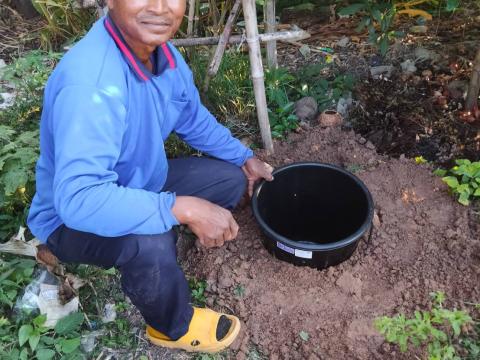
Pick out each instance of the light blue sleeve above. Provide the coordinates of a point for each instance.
(87, 127)
(199, 128)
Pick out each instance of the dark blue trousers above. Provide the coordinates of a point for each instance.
(150, 274)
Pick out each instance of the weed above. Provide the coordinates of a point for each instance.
(118, 334)
(437, 329)
(64, 22)
(33, 339)
(197, 288)
(463, 180)
(239, 291)
(15, 274)
(304, 335)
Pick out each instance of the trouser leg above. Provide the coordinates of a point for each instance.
(150, 275)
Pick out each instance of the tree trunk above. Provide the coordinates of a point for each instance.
(471, 103)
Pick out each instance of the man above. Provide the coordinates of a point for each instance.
(107, 195)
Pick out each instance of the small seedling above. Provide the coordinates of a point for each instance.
(239, 291)
(198, 291)
(304, 335)
(437, 329)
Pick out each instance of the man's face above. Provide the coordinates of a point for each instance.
(148, 22)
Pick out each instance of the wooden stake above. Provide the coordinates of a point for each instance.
(270, 27)
(253, 41)
(222, 44)
(237, 39)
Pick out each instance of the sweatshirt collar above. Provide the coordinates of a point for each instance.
(163, 59)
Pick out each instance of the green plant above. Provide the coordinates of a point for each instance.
(28, 76)
(239, 291)
(197, 288)
(311, 81)
(463, 180)
(378, 19)
(437, 329)
(118, 334)
(278, 86)
(65, 21)
(14, 275)
(34, 340)
(19, 136)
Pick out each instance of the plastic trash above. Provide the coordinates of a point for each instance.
(42, 295)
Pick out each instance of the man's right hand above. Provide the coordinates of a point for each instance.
(212, 224)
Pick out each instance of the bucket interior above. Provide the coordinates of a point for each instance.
(314, 204)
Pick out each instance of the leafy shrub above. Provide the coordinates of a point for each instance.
(463, 180)
(19, 136)
(436, 329)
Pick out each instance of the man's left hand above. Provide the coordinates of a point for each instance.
(255, 170)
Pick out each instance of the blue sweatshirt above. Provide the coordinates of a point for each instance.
(105, 118)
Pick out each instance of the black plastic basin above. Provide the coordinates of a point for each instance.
(313, 214)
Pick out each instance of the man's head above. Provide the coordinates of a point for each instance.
(147, 22)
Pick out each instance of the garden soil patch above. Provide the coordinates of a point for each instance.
(423, 241)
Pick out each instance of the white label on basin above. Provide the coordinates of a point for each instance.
(303, 254)
(285, 248)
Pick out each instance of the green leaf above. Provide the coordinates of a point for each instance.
(451, 181)
(383, 45)
(69, 323)
(477, 192)
(40, 320)
(352, 9)
(33, 340)
(377, 15)
(45, 354)
(463, 199)
(69, 345)
(452, 5)
(304, 335)
(24, 334)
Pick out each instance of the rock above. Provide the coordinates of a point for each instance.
(383, 70)
(370, 146)
(306, 109)
(419, 29)
(422, 54)
(427, 73)
(343, 41)
(408, 66)
(343, 104)
(376, 220)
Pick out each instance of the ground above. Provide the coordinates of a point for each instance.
(423, 241)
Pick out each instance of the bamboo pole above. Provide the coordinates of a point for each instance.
(191, 14)
(237, 39)
(253, 41)
(270, 27)
(222, 44)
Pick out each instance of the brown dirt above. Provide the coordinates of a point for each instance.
(424, 241)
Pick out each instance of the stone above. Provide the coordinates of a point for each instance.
(382, 70)
(343, 41)
(408, 66)
(306, 109)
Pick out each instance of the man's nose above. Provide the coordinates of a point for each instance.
(158, 6)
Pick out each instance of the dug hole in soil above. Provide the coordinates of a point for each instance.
(423, 241)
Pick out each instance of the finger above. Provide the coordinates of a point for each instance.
(268, 172)
(234, 228)
(219, 241)
(250, 187)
